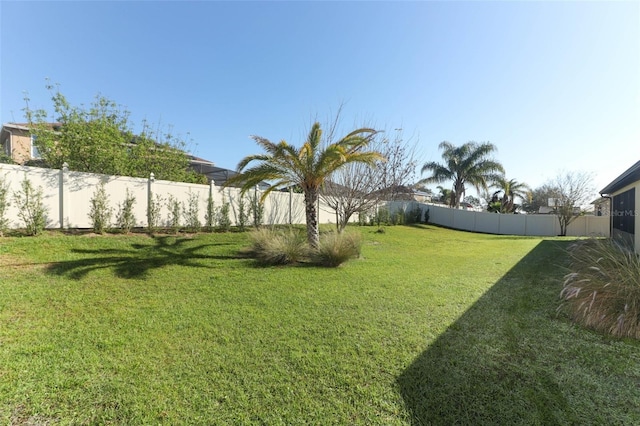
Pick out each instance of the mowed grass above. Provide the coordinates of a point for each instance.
(430, 326)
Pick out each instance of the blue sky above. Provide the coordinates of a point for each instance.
(554, 85)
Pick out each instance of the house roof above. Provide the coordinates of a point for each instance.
(627, 178)
(17, 126)
(216, 174)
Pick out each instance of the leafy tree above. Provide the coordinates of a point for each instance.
(539, 197)
(511, 190)
(308, 166)
(100, 139)
(5, 159)
(474, 201)
(446, 196)
(469, 163)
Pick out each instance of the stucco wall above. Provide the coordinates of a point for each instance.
(20, 145)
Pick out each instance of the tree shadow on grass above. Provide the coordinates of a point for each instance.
(139, 259)
(510, 359)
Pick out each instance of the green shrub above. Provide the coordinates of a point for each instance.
(126, 219)
(100, 212)
(257, 210)
(192, 213)
(153, 212)
(30, 207)
(5, 159)
(278, 247)
(336, 248)
(398, 217)
(382, 216)
(4, 205)
(363, 219)
(243, 214)
(210, 215)
(224, 220)
(415, 215)
(175, 208)
(602, 290)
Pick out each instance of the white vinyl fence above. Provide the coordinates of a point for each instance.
(508, 224)
(67, 195)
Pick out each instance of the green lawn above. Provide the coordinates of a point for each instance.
(431, 326)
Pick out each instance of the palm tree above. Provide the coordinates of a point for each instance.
(447, 196)
(307, 167)
(510, 189)
(468, 163)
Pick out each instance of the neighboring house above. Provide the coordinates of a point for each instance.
(625, 207)
(215, 174)
(405, 193)
(601, 206)
(18, 143)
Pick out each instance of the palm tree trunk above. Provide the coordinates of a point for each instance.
(311, 211)
(459, 192)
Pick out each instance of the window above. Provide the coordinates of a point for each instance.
(624, 216)
(34, 149)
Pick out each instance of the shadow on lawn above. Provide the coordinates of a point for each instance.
(137, 261)
(486, 367)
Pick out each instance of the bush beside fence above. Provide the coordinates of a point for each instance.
(67, 195)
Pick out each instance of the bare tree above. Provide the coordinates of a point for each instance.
(358, 188)
(571, 191)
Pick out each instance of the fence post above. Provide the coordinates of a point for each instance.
(62, 201)
(290, 206)
(150, 182)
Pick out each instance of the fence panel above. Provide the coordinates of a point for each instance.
(46, 180)
(67, 195)
(80, 188)
(181, 193)
(511, 224)
(488, 223)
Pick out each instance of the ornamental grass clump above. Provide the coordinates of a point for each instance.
(335, 248)
(278, 247)
(602, 291)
